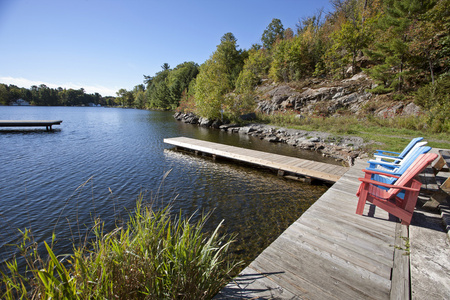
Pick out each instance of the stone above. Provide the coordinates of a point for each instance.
(411, 110)
(272, 138)
(205, 122)
(247, 129)
(216, 124)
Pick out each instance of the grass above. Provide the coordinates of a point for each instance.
(392, 133)
(155, 256)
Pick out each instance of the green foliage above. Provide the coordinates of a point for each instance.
(45, 96)
(155, 257)
(179, 80)
(297, 57)
(391, 48)
(158, 94)
(211, 85)
(256, 67)
(436, 99)
(380, 89)
(346, 44)
(217, 77)
(125, 98)
(279, 69)
(272, 33)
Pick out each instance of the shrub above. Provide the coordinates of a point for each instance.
(436, 98)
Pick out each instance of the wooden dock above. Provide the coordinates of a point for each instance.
(331, 253)
(284, 164)
(30, 123)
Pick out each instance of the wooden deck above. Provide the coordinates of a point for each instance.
(292, 165)
(331, 253)
(30, 123)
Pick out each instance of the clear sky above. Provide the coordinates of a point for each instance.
(105, 45)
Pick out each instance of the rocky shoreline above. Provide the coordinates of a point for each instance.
(342, 148)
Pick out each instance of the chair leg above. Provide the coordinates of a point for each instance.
(363, 189)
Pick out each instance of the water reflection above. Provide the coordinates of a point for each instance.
(255, 203)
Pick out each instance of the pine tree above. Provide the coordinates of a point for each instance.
(391, 49)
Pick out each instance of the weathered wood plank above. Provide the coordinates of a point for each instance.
(274, 161)
(400, 286)
(328, 253)
(341, 281)
(252, 284)
(336, 248)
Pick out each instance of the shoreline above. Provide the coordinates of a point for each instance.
(342, 148)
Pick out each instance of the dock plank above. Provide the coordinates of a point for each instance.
(330, 252)
(30, 123)
(274, 161)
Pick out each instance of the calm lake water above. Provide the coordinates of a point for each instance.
(98, 160)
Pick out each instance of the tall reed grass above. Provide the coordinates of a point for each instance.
(155, 256)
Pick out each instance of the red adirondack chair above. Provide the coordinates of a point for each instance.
(388, 199)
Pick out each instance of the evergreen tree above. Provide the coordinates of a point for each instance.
(391, 48)
(273, 32)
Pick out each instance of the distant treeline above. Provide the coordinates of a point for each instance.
(43, 95)
(404, 45)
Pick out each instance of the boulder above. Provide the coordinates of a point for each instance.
(411, 110)
(205, 122)
(216, 124)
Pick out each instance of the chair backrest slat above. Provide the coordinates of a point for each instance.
(410, 146)
(415, 169)
(411, 158)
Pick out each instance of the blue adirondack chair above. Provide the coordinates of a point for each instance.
(398, 168)
(385, 170)
(395, 155)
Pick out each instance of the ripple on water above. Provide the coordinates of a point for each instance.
(100, 159)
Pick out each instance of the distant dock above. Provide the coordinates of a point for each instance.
(284, 164)
(30, 123)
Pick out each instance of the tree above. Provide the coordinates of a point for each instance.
(157, 93)
(391, 48)
(124, 97)
(272, 33)
(346, 44)
(165, 67)
(139, 96)
(4, 94)
(256, 67)
(217, 77)
(179, 80)
(430, 45)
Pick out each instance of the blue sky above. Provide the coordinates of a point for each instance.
(105, 45)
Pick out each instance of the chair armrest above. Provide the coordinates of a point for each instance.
(391, 186)
(387, 156)
(384, 163)
(383, 172)
(371, 171)
(380, 166)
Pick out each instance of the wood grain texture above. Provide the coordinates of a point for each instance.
(328, 253)
(322, 171)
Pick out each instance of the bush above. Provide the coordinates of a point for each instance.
(436, 98)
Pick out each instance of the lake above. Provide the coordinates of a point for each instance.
(97, 162)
